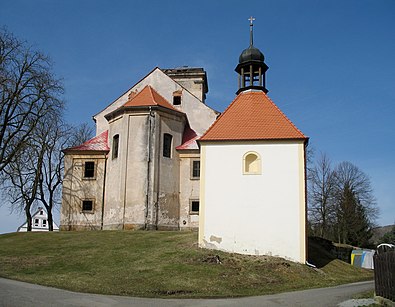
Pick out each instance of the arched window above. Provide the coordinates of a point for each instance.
(115, 146)
(251, 163)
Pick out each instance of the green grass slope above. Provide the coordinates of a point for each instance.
(157, 264)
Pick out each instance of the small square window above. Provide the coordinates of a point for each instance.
(89, 169)
(195, 174)
(176, 100)
(87, 205)
(194, 207)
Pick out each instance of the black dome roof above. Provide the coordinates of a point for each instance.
(251, 54)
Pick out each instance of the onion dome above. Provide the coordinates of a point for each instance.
(251, 54)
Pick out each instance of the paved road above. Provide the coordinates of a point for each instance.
(20, 294)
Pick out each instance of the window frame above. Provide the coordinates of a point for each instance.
(167, 143)
(92, 200)
(115, 146)
(93, 177)
(191, 201)
(177, 98)
(192, 169)
(258, 161)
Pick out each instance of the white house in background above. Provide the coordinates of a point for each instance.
(39, 222)
(252, 182)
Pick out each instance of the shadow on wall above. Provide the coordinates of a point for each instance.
(75, 216)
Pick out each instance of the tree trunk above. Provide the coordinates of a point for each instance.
(50, 220)
(28, 218)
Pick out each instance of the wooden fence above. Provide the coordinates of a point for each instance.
(384, 274)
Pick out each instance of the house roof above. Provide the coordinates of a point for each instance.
(189, 139)
(98, 143)
(252, 116)
(148, 97)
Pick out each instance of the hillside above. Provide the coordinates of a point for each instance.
(379, 232)
(158, 264)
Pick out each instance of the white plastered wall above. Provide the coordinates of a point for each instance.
(253, 214)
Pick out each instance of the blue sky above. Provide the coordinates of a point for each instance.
(331, 64)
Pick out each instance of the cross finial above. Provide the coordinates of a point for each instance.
(251, 19)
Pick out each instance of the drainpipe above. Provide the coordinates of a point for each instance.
(104, 192)
(148, 180)
(70, 198)
(126, 173)
(159, 153)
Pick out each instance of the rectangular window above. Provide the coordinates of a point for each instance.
(176, 100)
(195, 169)
(87, 205)
(115, 145)
(194, 207)
(36, 221)
(89, 169)
(44, 223)
(167, 139)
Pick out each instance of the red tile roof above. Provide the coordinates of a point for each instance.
(189, 139)
(98, 143)
(148, 97)
(252, 116)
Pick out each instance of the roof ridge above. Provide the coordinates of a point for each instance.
(128, 90)
(283, 114)
(217, 119)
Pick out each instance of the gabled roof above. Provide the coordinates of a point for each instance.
(252, 116)
(148, 97)
(98, 143)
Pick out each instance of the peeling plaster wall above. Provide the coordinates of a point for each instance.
(126, 174)
(189, 190)
(142, 186)
(254, 214)
(168, 178)
(76, 189)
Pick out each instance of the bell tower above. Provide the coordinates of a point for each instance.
(251, 67)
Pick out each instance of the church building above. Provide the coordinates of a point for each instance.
(142, 169)
(162, 159)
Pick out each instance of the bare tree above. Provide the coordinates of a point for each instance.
(54, 137)
(21, 179)
(29, 98)
(81, 134)
(321, 196)
(28, 93)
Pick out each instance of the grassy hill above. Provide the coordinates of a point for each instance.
(158, 264)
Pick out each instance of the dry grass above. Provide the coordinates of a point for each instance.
(156, 264)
